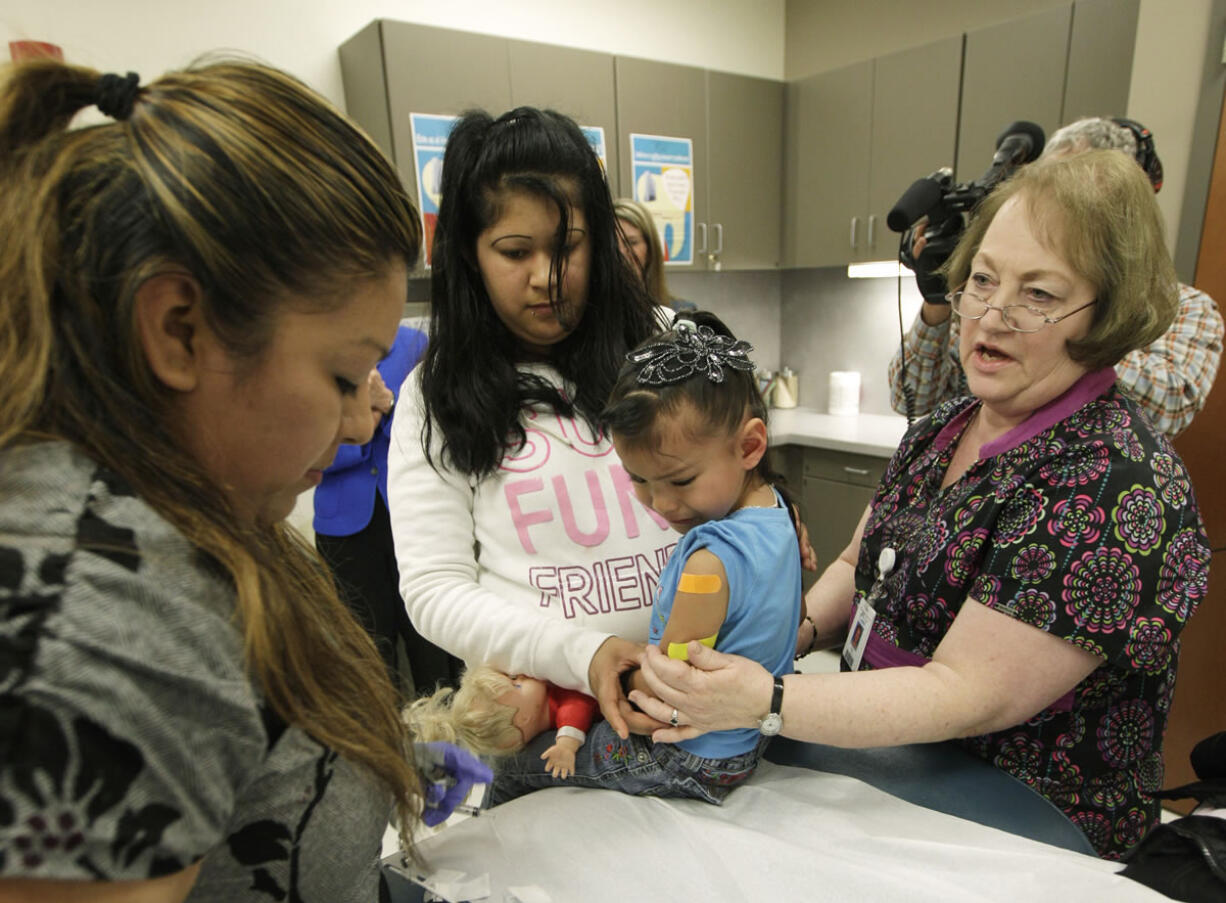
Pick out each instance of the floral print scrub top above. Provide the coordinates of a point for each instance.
(1080, 522)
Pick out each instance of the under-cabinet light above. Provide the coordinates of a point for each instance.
(875, 269)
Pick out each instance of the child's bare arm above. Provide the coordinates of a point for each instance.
(700, 603)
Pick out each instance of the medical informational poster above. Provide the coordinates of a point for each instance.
(429, 141)
(595, 137)
(430, 133)
(663, 173)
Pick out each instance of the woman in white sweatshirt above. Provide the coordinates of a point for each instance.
(518, 536)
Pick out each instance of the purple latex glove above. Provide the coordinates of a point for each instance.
(448, 773)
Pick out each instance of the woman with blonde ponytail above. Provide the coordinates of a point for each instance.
(191, 298)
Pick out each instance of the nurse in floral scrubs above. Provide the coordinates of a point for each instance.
(1034, 550)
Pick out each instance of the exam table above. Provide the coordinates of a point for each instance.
(916, 822)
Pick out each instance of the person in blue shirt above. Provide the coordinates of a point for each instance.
(354, 535)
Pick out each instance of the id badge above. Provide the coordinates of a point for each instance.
(857, 636)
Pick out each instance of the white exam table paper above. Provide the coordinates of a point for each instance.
(788, 834)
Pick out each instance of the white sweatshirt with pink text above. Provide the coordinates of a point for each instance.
(532, 568)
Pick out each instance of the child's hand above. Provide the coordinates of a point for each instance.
(559, 761)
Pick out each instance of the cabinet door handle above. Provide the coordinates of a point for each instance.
(857, 471)
(703, 249)
(855, 221)
(719, 239)
(872, 222)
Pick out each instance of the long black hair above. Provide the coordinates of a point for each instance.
(634, 410)
(473, 391)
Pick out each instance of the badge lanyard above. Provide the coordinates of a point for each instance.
(866, 612)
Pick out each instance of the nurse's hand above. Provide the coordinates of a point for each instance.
(711, 692)
(614, 656)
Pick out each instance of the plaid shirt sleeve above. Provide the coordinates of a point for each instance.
(1171, 378)
(934, 373)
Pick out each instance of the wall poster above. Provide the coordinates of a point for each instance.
(663, 173)
(595, 137)
(429, 141)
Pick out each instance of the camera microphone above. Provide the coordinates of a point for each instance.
(948, 206)
(922, 196)
(1021, 142)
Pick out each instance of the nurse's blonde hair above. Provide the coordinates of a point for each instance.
(1096, 211)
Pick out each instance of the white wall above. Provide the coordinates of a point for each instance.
(301, 36)
(1167, 71)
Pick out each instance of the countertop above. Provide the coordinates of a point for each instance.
(865, 434)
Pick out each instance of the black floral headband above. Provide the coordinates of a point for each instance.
(690, 350)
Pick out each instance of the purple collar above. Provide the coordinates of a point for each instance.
(1080, 393)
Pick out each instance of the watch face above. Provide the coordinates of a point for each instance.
(771, 724)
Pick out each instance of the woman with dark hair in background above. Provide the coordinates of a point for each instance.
(518, 538)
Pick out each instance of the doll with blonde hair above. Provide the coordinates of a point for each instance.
(495, 714)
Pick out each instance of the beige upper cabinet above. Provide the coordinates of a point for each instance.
(1100, 54)
(855, 139)
(1014, 71)
(391, 69)
(1050, 68)
(668, 100)
(802, 173)
(578, 83)
(828, 130)
(744, 171)
(735, 124)
(915, 119)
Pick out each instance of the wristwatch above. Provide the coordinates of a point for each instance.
(772, 723)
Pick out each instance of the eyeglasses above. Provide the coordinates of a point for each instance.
(1017, 317)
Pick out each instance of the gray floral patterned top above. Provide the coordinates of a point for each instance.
(132, 743)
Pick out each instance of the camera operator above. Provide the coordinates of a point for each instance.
(1170, 379)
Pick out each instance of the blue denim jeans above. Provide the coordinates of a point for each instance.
(635, 766)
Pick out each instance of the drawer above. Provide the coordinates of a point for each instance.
(860, 470)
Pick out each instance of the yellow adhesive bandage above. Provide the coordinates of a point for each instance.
(703, 584)
(680, 650)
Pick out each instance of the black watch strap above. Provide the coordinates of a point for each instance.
(777, 697)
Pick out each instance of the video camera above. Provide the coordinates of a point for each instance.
(948, 206)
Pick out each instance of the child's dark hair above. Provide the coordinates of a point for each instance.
(473, 391)
(634, 409)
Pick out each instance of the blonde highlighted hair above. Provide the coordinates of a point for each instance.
(258, 188)
(471, 716)
(652, 271)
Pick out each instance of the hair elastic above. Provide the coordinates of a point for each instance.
(116, 94)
